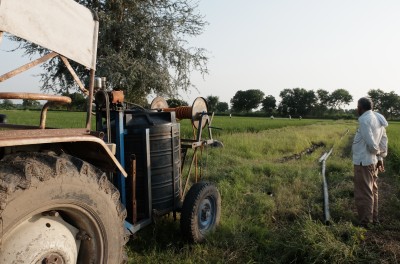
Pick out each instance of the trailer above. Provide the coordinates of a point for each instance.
(77, 195)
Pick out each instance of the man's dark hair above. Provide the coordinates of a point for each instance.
(366, 103)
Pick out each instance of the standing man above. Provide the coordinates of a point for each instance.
(369, 148)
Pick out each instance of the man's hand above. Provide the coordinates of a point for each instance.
(380, 166)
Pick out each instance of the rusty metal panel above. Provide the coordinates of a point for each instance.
(9, 138)
(63, 26)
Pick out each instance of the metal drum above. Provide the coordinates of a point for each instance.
(165, 159)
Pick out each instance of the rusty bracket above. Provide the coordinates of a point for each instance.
(74, 75)
(43, 113)
(27, 66)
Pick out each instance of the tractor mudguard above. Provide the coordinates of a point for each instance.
(76, 142)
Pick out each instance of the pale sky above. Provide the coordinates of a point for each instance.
(273, 45)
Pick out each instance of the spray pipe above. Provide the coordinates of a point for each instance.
(324, 157)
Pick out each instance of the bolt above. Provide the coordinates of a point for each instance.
(51, 213)
(82, 235)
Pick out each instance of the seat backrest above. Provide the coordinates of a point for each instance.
(63, 26)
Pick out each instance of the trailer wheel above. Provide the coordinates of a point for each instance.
(58, 209)
(201, 211)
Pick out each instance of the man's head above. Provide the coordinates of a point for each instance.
(364, 104)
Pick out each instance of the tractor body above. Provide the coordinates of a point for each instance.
(76, 195)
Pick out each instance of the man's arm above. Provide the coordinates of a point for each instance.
(383, 147)
(383, 144)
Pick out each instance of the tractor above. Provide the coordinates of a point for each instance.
(77, 195)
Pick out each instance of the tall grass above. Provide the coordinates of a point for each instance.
(272, 208)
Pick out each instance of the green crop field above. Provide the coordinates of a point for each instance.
(272, 202)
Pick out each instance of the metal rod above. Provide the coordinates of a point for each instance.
(148, 167)
(210, 127)
(190, 170)
(74, 75)
(173, 165)
(27, 66)
(322, 157)
(119, 138)
(90, 101)
(108, 117)
(134, 202)
(200, 129)
(43, 115)
(327, 215)
(1, 36)
(36, 96)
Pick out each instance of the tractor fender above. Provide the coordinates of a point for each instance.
(75, 142)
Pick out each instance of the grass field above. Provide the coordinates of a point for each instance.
(272, 204)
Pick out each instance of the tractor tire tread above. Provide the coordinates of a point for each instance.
(20, 171)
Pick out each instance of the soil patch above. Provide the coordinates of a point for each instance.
(308, 151)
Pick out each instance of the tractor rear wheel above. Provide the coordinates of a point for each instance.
(58, 209)
(201, 211)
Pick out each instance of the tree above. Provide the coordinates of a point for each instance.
(376, 96)
(390, 104)
(321, 105)
(339, 98)
(174, 102)
(323, 98)
(222, 107)
(269, 104)
(386, 103)
(7, 104)
(297, 101)
(142, 48)
(246, 100)
(212, 102)
(78, 103)
(30, 104)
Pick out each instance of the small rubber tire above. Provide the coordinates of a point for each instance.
(34, 184)
(201, 212)
(3, 119)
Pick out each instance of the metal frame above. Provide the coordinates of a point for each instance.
(36, 20)
(39, 21)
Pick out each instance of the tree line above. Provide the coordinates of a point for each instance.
(300, 102)
(143, 49)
